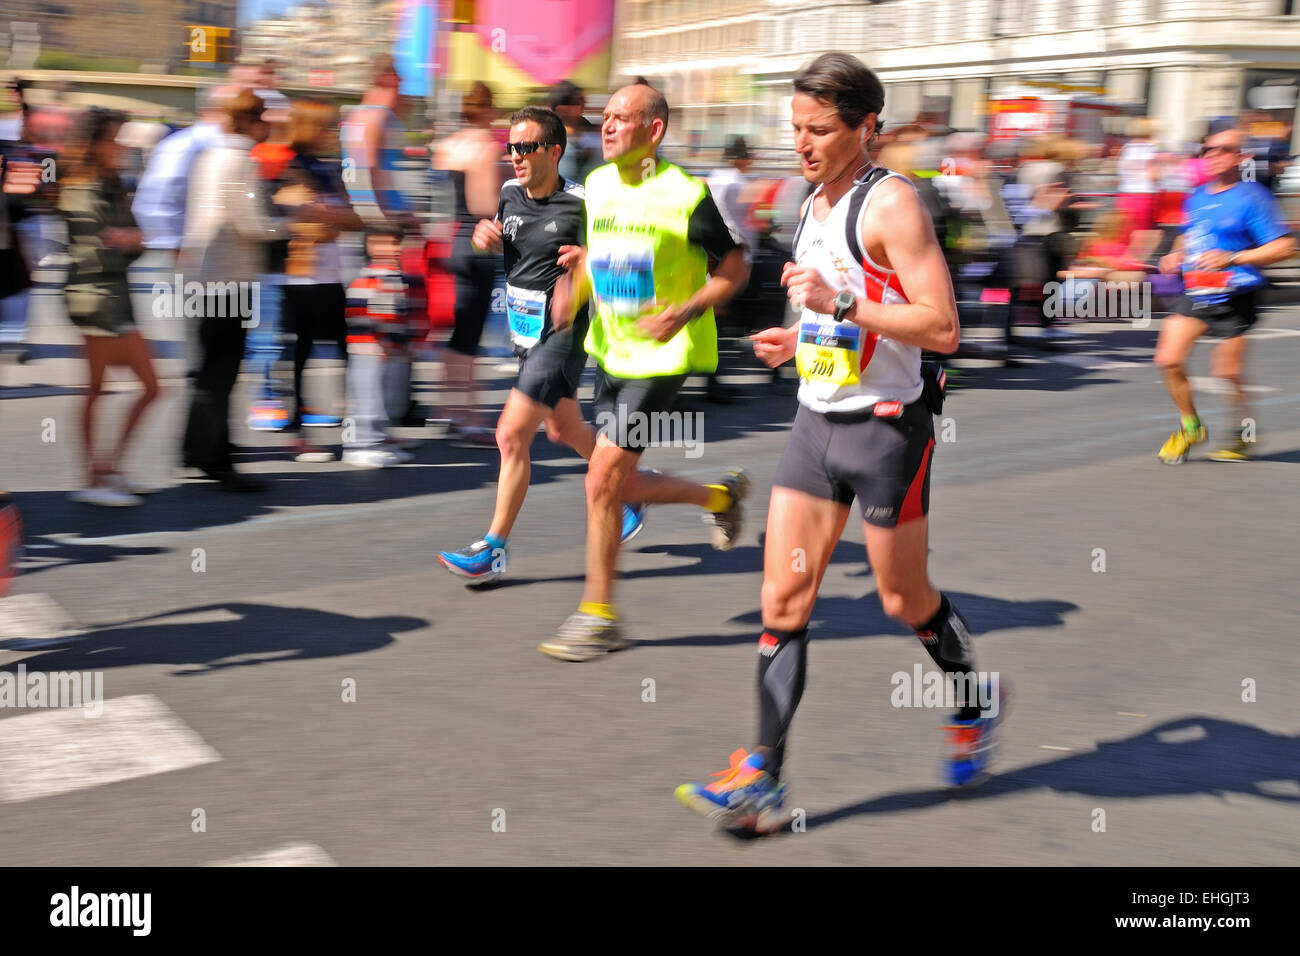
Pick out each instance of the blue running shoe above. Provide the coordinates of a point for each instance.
(746, 796)
(633, 520)
(314, 419)
(480, 563)
(972, 744)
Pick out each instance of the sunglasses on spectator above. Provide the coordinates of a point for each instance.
(1211, 150)
(527, 148)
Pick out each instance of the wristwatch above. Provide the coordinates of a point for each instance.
(844, 303)
(1232, 259)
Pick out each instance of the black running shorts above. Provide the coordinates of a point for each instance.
(882, 462)
(626, 407)
(552, 369)
(1226, 319)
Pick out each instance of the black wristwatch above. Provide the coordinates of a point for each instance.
(844, 303)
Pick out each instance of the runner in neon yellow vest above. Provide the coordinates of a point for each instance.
(640, 252)
(651, 233)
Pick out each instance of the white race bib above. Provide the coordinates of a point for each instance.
(526, 311)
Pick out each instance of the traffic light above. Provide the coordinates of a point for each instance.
(209, 44)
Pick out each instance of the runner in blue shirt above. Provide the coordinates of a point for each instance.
(1233, 228)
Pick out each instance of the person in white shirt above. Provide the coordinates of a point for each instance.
(226, 228)
(160, 196)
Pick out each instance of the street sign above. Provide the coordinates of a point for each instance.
(210, 44)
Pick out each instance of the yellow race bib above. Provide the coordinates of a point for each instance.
(829, 351)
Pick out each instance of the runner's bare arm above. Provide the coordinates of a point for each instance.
(1172, 260)
(1266, 255)
(726, 281)
(929, 318)
(572, 290)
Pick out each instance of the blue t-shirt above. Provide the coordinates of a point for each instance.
(1243, 216)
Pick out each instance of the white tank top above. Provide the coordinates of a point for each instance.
(843, 367)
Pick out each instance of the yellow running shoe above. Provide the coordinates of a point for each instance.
(1236, 451)
(1174, 450)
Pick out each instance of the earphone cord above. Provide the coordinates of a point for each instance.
(858, 178)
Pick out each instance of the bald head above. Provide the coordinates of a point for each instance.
(634, 123)
(647, 101)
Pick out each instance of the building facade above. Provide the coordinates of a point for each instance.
(324, 45)
(726, 67)
(150, 31)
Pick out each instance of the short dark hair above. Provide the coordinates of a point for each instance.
(565, 93)
(845, 82)
(549, 120)
(384, 230)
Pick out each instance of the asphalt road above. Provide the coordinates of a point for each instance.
(225, 686)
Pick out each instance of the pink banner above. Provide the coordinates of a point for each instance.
(546, 39)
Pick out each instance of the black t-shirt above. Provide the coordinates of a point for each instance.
(533, 230)
(706, 228)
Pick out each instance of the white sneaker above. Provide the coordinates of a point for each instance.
(129, 487)
(105, 497)
(371, 458)
(314, 455)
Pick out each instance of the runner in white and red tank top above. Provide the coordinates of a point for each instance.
(873, 290)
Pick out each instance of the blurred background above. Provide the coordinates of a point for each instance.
(976, 92)
(1054, 143)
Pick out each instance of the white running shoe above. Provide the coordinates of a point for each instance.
(314, 456)
(105, 497)
(128, 486)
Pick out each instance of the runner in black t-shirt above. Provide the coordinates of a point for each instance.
(539, 212)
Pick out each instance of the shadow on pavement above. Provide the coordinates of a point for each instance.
(704, 560)
(194, 504)
(45, 554)
(845, 618)
(261, 634)
(1190, 755)
(1290, 457)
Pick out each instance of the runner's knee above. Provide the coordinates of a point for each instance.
(511, 442)
(604, 481)
(786, 603)
(901, 605)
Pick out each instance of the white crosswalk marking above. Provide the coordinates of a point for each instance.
(298, 854)
(48, 752)
(29, 621)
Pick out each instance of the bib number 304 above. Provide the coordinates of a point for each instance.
(829, 352)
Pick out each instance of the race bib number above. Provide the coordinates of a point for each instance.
(828, 351)
(623, 278)
(526, 312)
(1200, 282)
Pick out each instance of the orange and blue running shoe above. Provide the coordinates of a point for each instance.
(746, 796)
(972, 743)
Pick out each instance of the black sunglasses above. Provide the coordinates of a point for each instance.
(1211, 150)
(526, 149)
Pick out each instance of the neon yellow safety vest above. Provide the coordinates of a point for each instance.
(638, 255)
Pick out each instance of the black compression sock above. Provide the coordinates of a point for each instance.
(782, 671)
(946, 638)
